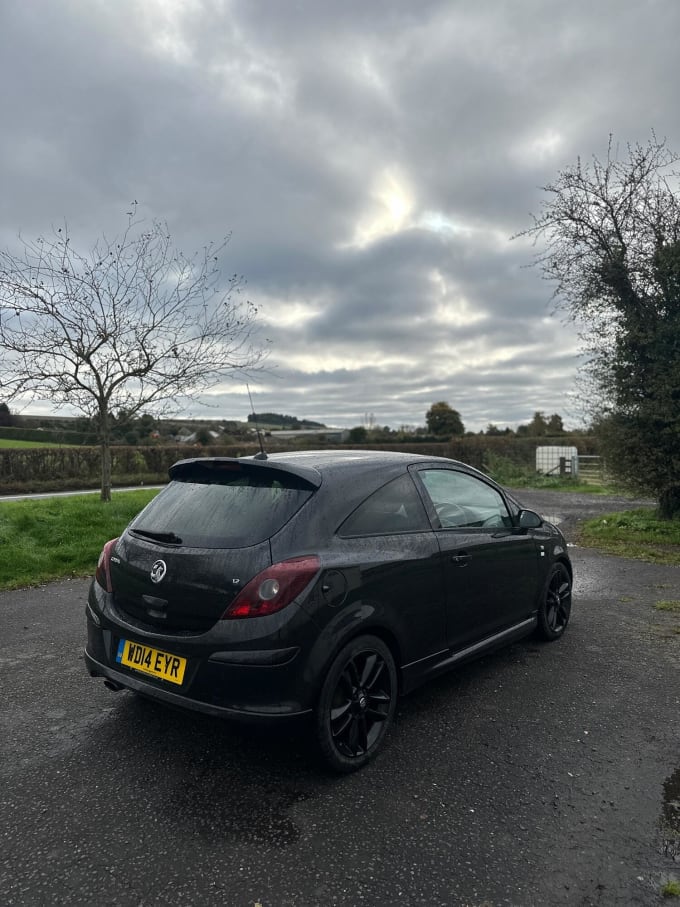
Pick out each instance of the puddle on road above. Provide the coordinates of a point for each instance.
(670, 817)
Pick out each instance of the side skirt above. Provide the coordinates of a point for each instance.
(418, 672)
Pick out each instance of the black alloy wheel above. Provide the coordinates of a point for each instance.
(553, 614)
(357, 703)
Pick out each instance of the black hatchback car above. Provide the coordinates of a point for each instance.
(319, 583)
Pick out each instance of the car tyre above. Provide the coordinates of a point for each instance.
(555, 607)
(357, 703)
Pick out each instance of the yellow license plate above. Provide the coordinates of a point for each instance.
(151, 661)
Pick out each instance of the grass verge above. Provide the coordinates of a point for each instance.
(55, 538)
(634, 533)
(10, 443)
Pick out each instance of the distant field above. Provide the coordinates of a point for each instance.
(4, 442)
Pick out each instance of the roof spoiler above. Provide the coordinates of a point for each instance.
(216, 465)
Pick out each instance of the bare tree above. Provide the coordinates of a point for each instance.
(132, 324)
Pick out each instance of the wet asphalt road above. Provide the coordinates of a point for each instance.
(540, 775)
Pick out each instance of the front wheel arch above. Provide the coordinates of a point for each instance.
(554, 608)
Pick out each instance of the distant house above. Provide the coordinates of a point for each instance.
(182, 438)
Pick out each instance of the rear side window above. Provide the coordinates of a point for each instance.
(396, 507)
(231, 508)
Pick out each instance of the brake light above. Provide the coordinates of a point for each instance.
(274, 588)
(103, 571)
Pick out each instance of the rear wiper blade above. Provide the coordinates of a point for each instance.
(169, 537)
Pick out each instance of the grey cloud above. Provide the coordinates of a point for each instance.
(279, 121)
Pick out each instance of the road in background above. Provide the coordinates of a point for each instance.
(70, 494)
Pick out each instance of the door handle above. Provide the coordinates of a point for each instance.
(461, 560)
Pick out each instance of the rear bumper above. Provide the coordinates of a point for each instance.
(250, 675)
(247, 713)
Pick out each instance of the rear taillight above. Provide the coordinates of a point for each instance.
(274, 588)
(103, 572)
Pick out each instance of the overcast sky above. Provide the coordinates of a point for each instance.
(371, 160)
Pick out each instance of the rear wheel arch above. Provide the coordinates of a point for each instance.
(356, 702)
(382, 633)
(390, 641)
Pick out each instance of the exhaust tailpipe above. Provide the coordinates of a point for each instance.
(113, 686)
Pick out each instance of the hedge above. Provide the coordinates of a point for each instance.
(62, 468)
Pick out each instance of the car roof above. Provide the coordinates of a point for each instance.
(323, 459)
(351, 465)
(313, 464)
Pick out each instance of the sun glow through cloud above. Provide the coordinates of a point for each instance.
(389, 211)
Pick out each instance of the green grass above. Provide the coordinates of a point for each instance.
(555, 483)
(7, 442)
(53, 538)
(672, 606)
(634, 533)
(671, 889)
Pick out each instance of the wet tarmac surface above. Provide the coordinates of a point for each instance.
(567, 509)
(540, 775)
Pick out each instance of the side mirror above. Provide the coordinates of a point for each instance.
(528, 519)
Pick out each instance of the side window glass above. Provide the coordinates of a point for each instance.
(463, 501)
(396, 507)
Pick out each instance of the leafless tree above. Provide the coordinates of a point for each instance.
(132, 324)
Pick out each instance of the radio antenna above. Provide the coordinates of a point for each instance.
(261, 455)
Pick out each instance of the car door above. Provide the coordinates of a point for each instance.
(396, 572)
(490, 566)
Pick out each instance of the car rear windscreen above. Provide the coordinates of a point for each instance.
(232, 507)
